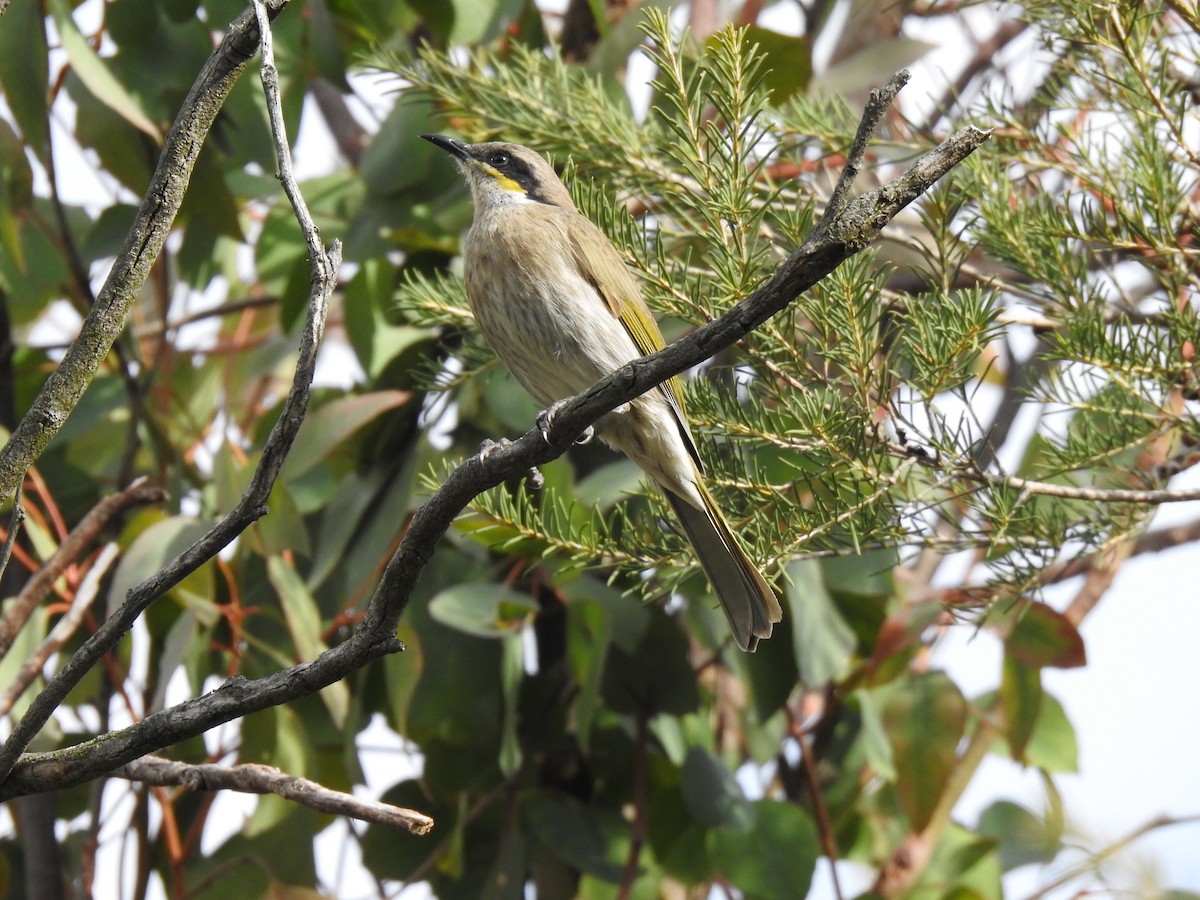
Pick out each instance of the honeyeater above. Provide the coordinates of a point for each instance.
(560, 308)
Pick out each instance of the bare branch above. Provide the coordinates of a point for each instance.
(1151, 542)
(252, 778)
(877, 106)
(1095, 495)
(1142, 497)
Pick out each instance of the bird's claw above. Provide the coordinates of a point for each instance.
(488, 447)
(534, 477)
(546, 418)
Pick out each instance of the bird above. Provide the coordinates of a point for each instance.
(560, 308)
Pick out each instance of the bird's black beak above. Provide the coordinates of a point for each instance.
(455, 148)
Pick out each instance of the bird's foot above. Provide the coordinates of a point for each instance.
(546, 418)
(534, 477)
(488, 448)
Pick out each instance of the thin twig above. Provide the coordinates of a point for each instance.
(252, 778)
(1095, 495)
(824, 823)
(72, 547)
(637, 828)
(878, 104)
(1151, 542)
(283, 152)
(1111, 850)
(62, 631)
(970, 472)
(14, 527)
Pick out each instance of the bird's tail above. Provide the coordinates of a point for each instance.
(749, 602)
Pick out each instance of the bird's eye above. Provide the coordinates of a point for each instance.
(500, 159)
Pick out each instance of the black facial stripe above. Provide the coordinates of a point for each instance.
(518, 170)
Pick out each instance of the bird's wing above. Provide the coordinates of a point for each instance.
(600, 264)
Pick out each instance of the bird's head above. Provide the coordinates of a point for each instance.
(503, 173)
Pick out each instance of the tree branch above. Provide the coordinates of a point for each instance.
(252, 778)
(838, 238)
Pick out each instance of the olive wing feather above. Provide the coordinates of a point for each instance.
(600, 264)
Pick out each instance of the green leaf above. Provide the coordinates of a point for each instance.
(16, 193)
(328, 57)
(24, 645)
(876, 747)
(657, 676)
(171, 655)
(275, 737)
(283, 528)
(871, 67)
(588, 636)
(822, 639)
(590, 838)
(477, 21)
(611, 53)
(1052, 746)
(35, 277)
(332, 423)
(512, 671)
(209, 198)
(677, 840)
(712, 794)
(962, 866)
(867, 574)
(609, 483)
(482, 609)
(898, 634)
(376, 341)
(108, 232)
(154, 548)
(925, 718)
(1021, 699)
(402, 672)
(1045, 637)
(774, 857)
(397, 139)
(94, 73)
(1021, 837)
(24, 73)
(305, 626)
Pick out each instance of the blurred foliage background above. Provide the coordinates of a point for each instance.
(923, 443)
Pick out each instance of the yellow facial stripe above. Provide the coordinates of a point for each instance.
(503, 180)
